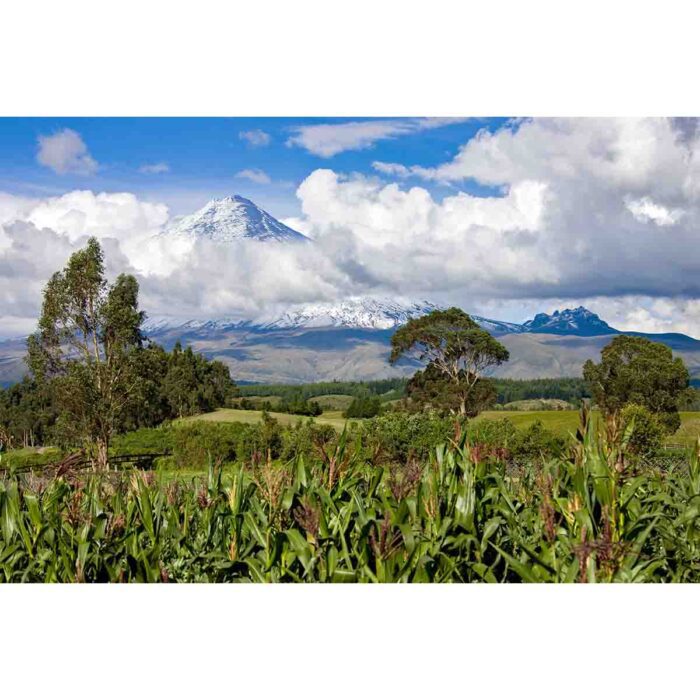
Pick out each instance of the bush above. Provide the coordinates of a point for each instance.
(537, 441)
(399, 435)
(492, 433)
(304, 437)
(196, 443)
(256, 441)
(144, 441)
(648, 431)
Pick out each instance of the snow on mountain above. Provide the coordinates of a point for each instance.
(382, 314)
(498, 327)
(359, 312)
(578, 321)
(230, 219)
(157, 324)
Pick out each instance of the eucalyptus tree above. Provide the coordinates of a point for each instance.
(456, 353)
(85, 349)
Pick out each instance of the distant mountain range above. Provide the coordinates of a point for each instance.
(350, 339)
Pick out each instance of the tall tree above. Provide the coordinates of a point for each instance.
(84, 348)
(456, 351)
(637, 371)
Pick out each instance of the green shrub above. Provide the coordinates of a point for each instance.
(198, 442)
(537, 441)
(260, 439)
(647, 431)
(398, 434)
(144, 441)
(304, 437)
(492, 433)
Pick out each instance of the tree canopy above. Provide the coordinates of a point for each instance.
(456, 352)
(93, 373)
(84, 346)
(638, 371)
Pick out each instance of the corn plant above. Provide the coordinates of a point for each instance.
(463, 515)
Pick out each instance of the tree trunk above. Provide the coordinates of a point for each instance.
(101, 460)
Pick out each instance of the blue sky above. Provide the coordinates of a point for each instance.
(203, 157)
(505, 218)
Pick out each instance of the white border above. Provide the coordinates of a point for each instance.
(348, 58)
(366, 57)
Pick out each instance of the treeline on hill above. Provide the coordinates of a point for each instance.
(296, 405)
(378, 387)
(168, 385)
(571, 389)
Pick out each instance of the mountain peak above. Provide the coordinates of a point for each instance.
(578, 321)
(233, 218)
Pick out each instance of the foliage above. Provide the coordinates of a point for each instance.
(27, 414)
(647, 432)
(83, 349)
(379, 387)
(299, 406)
(364, 407)
(428, 388)
(197, 444)
(638, 371)
(457, 516)
(192, 384)
(501, 438)
(571, 389)
(456, 352)
(398, 436)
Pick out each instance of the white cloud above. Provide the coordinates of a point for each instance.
(578, 223)
(327, 140)
(154, 168)
(65, 152)
(255, 137)
(254, 175)
(645, 210)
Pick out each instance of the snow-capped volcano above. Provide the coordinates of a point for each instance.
(358, 312)
(231, 219)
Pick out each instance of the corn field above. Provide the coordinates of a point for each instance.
(459, 517)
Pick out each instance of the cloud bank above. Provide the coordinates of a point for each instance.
(600, 212)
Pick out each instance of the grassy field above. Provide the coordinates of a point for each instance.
(333, 402)
(237, 415)
(559, 422)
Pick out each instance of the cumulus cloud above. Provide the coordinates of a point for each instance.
(327, 140)
(603, 213)
(255, 137)
(254, 175)
(154, 168)
(65, 152)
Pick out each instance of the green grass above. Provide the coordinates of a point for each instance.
(689, 431)
(561, 423)
(29, 456)
(539, 405)
(564, 423)
(333, 402)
